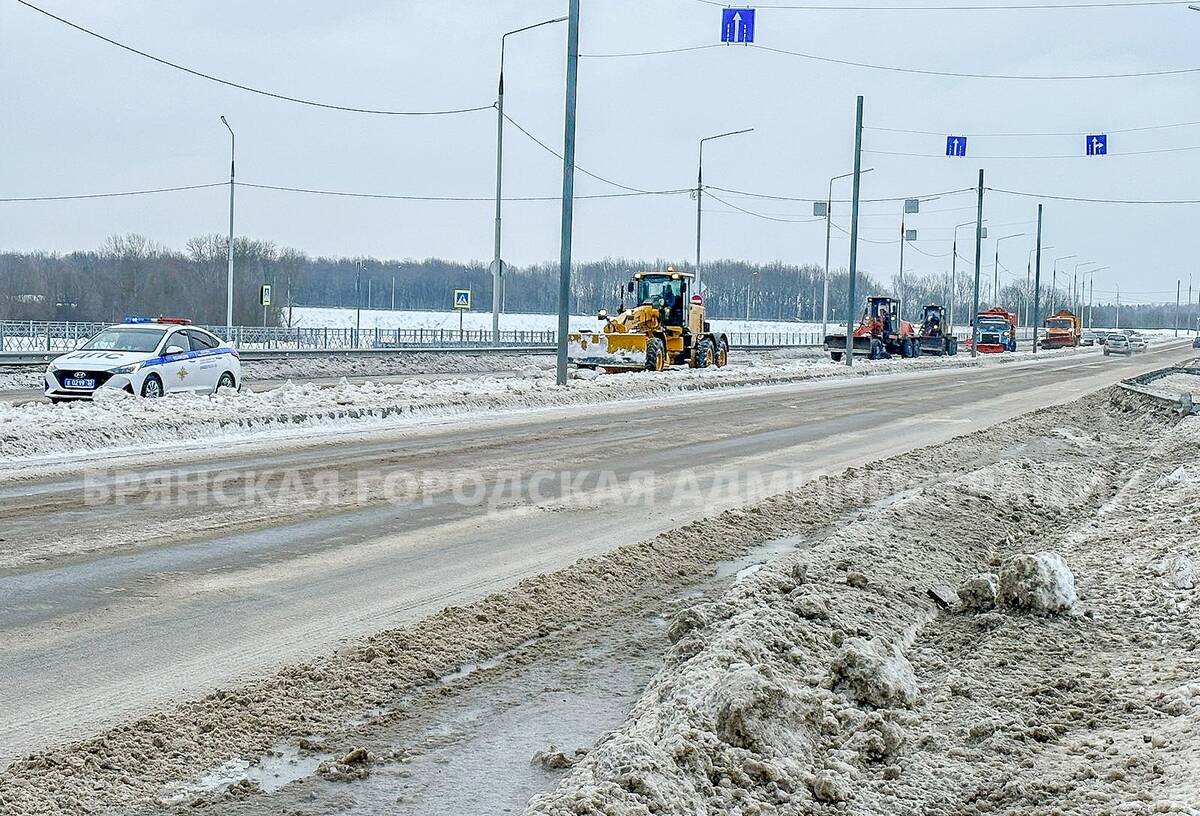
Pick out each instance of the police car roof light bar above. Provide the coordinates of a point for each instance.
(177, 321)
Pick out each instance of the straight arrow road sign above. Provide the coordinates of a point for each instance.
(737, 25)
(956, 146)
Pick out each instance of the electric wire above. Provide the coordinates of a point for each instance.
(900, 69)
(1069, 6)
(249, 88)
(121, 194)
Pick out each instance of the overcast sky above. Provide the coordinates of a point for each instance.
(81, 116)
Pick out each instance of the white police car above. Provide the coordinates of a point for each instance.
(147, 357)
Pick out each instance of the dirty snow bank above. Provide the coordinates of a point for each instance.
(770, 708)
(830, 683)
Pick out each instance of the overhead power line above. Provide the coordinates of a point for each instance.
(972, 75)
(250, 89)
(122, 194)
(1067, 6)
(902, 69)
(559, 156)
(1084, 200)
(407, 197)
(763, 216)
(1008, 135)
(771, 197)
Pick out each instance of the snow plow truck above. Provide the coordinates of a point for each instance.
(1063, 329)
(996, 331)
(880, 333)
(666, 326)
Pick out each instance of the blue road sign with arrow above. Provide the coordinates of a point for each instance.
(737, 25)
(1097, 144)
(956, 146)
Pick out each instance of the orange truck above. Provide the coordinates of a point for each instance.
(996, 331)
(1063, 329)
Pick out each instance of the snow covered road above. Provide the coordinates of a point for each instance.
(109, 610)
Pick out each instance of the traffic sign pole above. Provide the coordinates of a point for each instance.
(568, 189)
(851, 307)
(978, 261)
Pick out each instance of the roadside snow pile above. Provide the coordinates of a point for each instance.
(797, 688)
(41, 429)
(20, 379)
(1040, 583)
(390, 365)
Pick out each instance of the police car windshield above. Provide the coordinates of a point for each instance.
(145, 340)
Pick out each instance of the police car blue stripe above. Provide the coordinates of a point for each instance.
(187, 355)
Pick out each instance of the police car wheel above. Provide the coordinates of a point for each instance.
(226, 381)
(152, 387)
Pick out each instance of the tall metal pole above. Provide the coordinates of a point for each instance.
(499, 193)
(700, 195)
(568, 189)
(851, 306)
(1091, 297)
(903, 217)
(497, 263)
(1118, 306)
(825, 285)
(699, 213)
(828, 235)
(978, 266)
(229, 281)
(357, 302)
(1037, 284)
(1178, 295)
(953, 279)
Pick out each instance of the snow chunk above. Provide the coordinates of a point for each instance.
(978, 593)
(1177, 571)
(876, 673)
(1040, 583)
(103, 395)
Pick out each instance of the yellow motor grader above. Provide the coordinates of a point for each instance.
(665, 326)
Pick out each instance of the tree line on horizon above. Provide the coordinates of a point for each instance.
(131, 274)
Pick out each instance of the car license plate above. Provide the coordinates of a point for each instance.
(71, 382)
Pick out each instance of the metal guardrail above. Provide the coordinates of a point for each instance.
(49, 336)
(1142, 384)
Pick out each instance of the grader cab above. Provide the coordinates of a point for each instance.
(663, 326)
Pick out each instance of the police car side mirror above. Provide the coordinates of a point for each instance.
(174, 350)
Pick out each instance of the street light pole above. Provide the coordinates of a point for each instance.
(568, 190)
(828, 235)
(229, 281)
(1037, 282)
(954, 271)
(978, 260)
(1054, 279)
(1083, 287)
(996, 270)
(700, 196)
(496, 262)
(851, 306)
